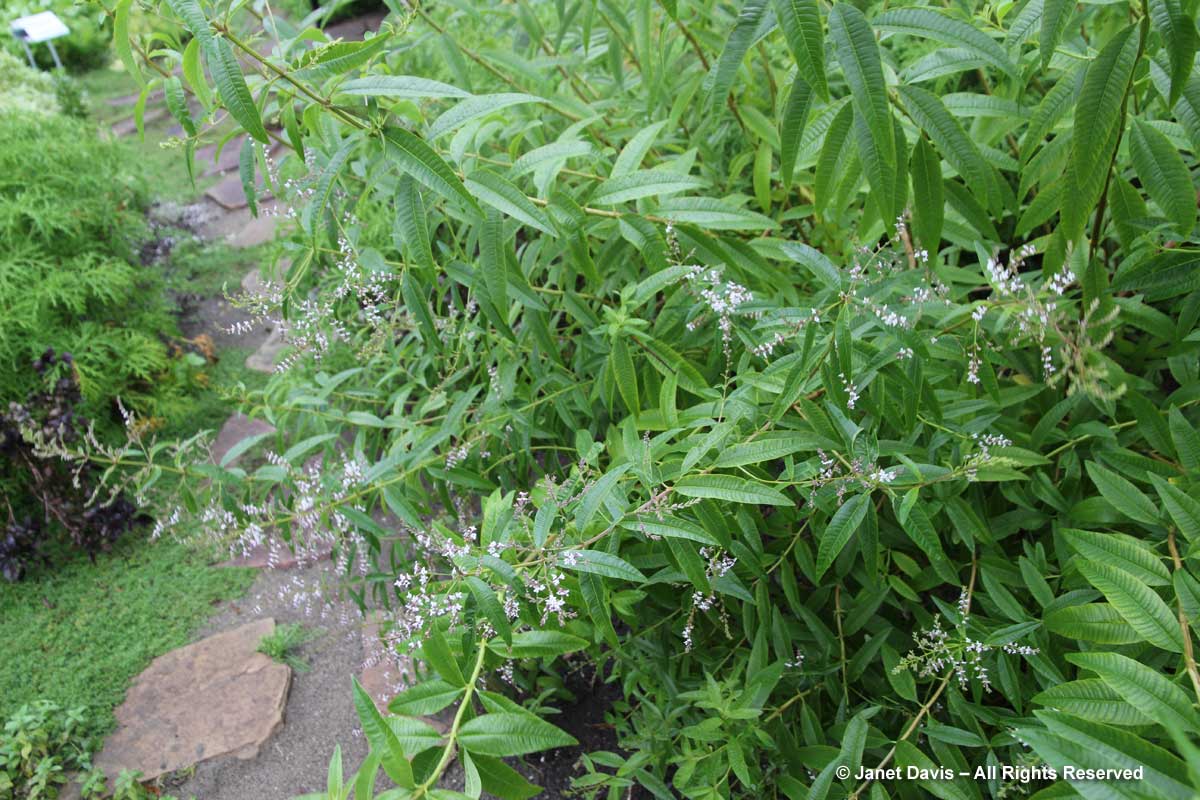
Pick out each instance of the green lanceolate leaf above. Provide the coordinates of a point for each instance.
(768, 447)
(634, 152)
(625, 374)
(598, 562)
(411, 225)
(1163, 174)
(437, 654)
(246, 173)
(801, 23)
(511, 734)
(539, 644)
(193, 73)
(791, 127)
(931, 24)
(489, 605)
(858, 53)
(121, 40)
(1098, 116)
(1178, 30)
(928, 201)
(414, 157)
(341, 57)
(1142, 687)
(400, 86)
(231, 86)
(1092, 699)
(475, 107)
(741, 38)
(1091, 622)
(841, 527)
(636, 185)
(381, 737)
(193, 17)
(1137, 603)
(495, 191)
(1183, 509)
(425, 698)
(1055, 16)
(945, 132)
(732, 489)
(1124, 496)
(1121, 551)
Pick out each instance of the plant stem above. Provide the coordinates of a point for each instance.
(448, 753)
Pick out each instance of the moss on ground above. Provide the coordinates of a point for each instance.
(77, 633)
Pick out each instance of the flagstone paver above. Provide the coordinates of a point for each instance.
(214, 698)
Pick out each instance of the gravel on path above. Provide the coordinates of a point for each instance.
(320, 709)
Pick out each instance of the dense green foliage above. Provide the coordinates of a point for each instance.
(826, 375)
(70, 228)
(41, 746)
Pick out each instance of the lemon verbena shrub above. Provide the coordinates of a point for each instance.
(823, 375)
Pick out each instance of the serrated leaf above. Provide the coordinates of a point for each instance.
(1120, 551)
(951, 140)
(669, 527)
(539, 644)
(437, 653)
(768, 447)
(928, 198)
(1097, 122)
(841, 527)
(598, 562)
(625, 374)
(1144, 610)
(595, 495)
(495, 191)
(800, 21)
(708, 212)
(741, 38)
(648, 183)
(382, 739)
(489, 605)
(424, 699)
(1055, 16)
(791, 126)
(400, 86)
(231, 86)
(1091, 622)
(555, 151)
(193, 17)
(1182, 507)
(634, 151)
(1103, 747)
(1163, 175)
(858, 53)
(1092, 699)
(1178, 30)
(511, 734)
(1122, 494)
(930, 24)
(1143, 688)
(121, 40)
(502, 781)
(414, 157)
(731, 489)
(475, 107)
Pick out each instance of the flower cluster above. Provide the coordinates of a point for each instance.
(938, 650)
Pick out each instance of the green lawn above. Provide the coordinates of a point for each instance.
(79, 632)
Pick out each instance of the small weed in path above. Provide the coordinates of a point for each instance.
(281, 645)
